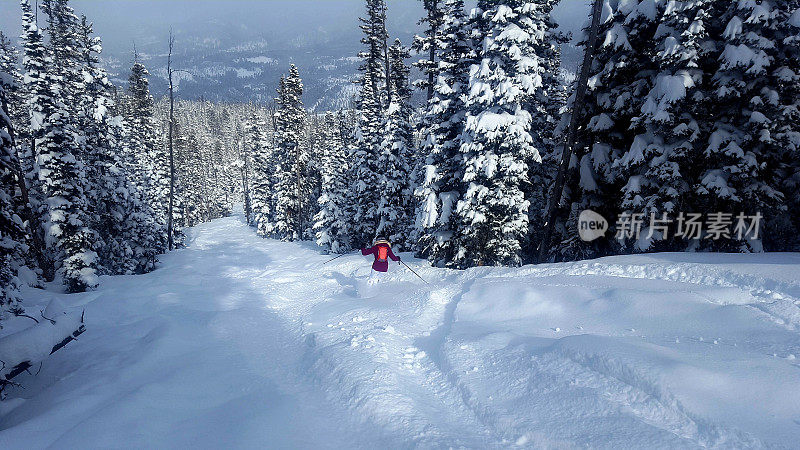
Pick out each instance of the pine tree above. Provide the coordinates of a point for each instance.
(107, 193)
(139, 233)
(152, 172)
(260, 152)
(63, 29)
(15, 96)
(665, 129)
(498, 147)
(245, 166)
(376, 55)
(313, 133)
(608, 162)
(438, 173)
(292, 184)
(686, 98)
(92, 107)
(430, 44)
(364, 170)
(22, 159)
(12, 233)
(179, 191)
(60, 172)
(739, 149)
(396, 152)
(785, 74)
(22, 119)
(331, 222)
(544, 106)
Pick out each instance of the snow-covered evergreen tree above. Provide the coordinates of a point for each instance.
(60, 172)
(784, 232)
(64, 48)
(314, 171)
(498, 148)
(664, 130)
(545, 106)
(261, 188)
(15, 96)
(364, 170)
(430, 44)
(12, 233)
(140, 233)
(179, 220)
(33, 70)
(395, 207)
(291, 183)
(439, 174)
(152, 173)
(115, 214)
(682, 117)
(618, 158)
(738, 149)
(20, 160)
(332, 223)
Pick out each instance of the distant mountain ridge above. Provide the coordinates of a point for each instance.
(236, 50)
(242, 66)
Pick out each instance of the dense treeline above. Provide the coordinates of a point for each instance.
(209, 140)
(84, 181)
(692, 114)
(693, 108)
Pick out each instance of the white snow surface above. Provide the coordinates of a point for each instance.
(240, 342)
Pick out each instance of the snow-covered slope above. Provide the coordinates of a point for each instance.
(239, 342)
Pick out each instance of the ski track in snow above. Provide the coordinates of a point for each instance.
(241, 342)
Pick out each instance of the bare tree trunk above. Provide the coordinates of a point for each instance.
(432, 6)
(386, 58)
(431, 79)
(171, 154)
(273, 109)
(572, 133)
(248, 212)
(34, 225)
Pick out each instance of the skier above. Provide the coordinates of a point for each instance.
(382, 250)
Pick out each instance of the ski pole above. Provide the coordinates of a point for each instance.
(412, 271)
(333, 259)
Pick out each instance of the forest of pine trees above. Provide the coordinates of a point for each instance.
(692, 107)
(84, 178)
(692, 110)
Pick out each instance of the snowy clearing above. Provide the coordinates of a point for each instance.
(240, 342)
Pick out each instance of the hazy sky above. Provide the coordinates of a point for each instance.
(120, 21)
(216, 40)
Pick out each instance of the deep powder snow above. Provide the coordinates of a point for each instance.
(240, 342)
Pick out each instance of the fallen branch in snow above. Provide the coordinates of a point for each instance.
(29, 317)
(21, 350)
(47, 318)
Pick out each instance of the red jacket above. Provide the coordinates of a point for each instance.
(380, 249)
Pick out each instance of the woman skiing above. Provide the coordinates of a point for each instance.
(382, 250)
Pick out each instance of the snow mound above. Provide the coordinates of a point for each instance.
(32, 345)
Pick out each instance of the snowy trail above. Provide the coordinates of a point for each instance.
(240, 342)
